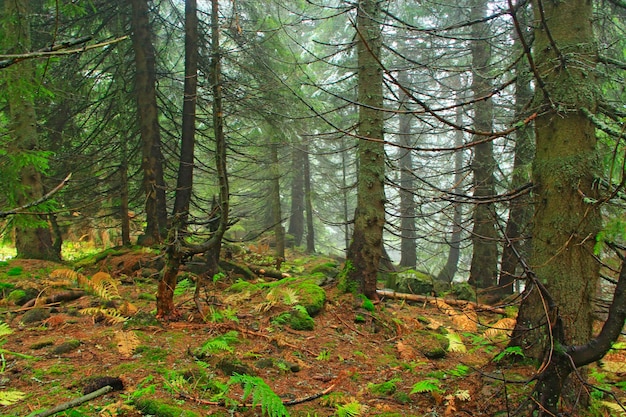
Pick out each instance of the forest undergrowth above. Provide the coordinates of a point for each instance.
(293, 346)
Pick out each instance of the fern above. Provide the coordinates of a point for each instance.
(110, 315)
(510, 351)
(101, 283)
(221, 343)
(5, 330)
(351, 409)
(11, 397)
(183, 286)
(262, 394)
(427, 385)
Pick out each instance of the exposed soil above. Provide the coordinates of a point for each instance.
(367, 361)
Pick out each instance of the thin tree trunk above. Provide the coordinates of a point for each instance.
(145, 90)
(452, 263)
(310, 230)
(408, 234)
(176, 235)
(365, 249)
(520, 209)
(276, 217)
(296, 218)
(184, 185)
(484, 266)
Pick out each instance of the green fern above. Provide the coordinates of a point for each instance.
(221, 343)
(11, 397)
(183, 286)
(427, 385)
(509, 351)
(262, 395)
(460, 370)
(351, 409)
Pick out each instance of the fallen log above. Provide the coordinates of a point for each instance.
(428, 298)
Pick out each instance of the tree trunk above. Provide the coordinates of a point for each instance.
(276, 217)
(449, 270)
(184, 184)
(213, 251)
(33, 238)
(520, 208)
(566, 165)
(310, 230)
(364, 252)
(296, 218)
(145, 90)
(484, 266)
(408, 235)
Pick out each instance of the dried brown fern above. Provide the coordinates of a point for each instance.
(127, 342)
(101, 283)
(109, 315)
(502, 327)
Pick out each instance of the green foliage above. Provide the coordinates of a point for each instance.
(614, 230)
(384, 388)
(11, 397)
(261, 394)
(221, 343)
(366, 303)
(15, 271)
(427, 385)
(460, 371)
(183, 286)
(215, 315)
(508, 352)
(350, 409)
(324, 355)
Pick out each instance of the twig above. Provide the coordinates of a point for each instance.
(40, 200)
(75, 402)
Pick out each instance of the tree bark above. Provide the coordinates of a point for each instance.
(33, 237)
(310, 230)
(408, 234)
(365, 249)
(145, 90)
(566, 218)
(184, 184)
(449, 270)
(484, 266)
(296, 218)
(520, 208)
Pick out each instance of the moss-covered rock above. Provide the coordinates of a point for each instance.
(432, 345)
(411, 282)
(464, 291)
(35, 315)
(66, 347)
(310, 295)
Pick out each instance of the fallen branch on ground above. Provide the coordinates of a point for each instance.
(428, 298)
(75, 402)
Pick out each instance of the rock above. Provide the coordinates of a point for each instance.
(35, 315)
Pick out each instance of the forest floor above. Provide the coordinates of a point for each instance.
(394, 358)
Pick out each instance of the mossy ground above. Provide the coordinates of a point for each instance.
(372, 359)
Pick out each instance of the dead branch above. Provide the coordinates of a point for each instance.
(47, 196)
(75, 402)
(427, 298)
(57, 50)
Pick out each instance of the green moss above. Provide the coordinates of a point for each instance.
(411, 282)
(329, 269)
(366, 303)
(344, 284)
(241, 286)
(384, 388)
(15, 271)
(464, 291)
(158, 408)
